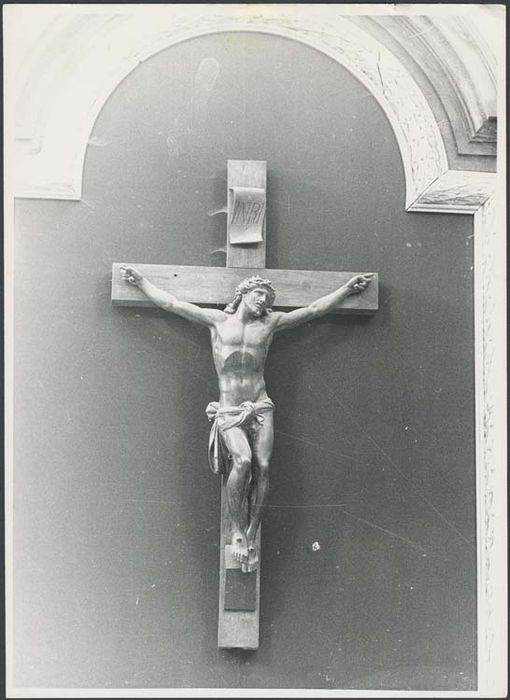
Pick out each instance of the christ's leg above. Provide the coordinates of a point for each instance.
(262, 449)
(237, 486)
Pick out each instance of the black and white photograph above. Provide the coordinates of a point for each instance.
(255, 350)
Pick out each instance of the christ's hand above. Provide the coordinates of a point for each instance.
(358, 283)
(131, 275)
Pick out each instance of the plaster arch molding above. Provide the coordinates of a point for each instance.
(59, 95)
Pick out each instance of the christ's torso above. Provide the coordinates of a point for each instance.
(239, 352)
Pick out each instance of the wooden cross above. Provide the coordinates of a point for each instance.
(239, 599)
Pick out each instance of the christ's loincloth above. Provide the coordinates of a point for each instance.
(249, 415)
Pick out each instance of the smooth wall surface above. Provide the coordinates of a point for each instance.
(116, 519)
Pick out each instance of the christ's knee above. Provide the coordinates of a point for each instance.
(263, 469)
(241, 466)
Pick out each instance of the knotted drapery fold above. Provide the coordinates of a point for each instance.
(249, 414)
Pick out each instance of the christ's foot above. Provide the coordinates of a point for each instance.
(253, 559)
(239, 547)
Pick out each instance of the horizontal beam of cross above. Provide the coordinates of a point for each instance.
(212, 286)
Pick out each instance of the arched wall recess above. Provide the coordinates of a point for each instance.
(56, 96)
(60, 94)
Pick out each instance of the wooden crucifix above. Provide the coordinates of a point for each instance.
(241, 437)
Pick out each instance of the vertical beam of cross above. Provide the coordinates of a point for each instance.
(239, 599)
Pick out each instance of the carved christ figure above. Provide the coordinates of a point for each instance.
(242, 432)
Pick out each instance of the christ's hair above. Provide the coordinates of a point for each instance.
(246, 286)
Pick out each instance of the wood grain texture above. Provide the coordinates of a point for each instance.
(245, 173)
(239, 629)
(236, 628)
(213, 286)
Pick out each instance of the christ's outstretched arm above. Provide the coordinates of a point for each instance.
(168, 302)
(322, 306)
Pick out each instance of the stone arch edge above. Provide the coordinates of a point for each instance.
(51, 165)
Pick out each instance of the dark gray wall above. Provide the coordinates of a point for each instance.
(116, 512)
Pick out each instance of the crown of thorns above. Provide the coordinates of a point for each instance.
(247, 285)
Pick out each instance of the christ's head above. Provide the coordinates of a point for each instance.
(257, 293)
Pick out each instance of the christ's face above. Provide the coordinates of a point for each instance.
(257, 300)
